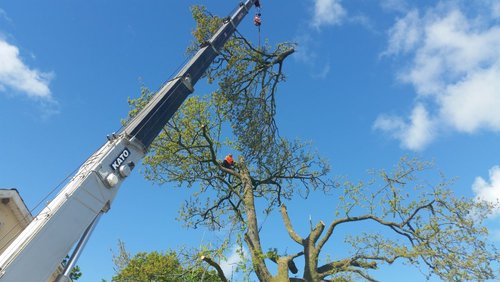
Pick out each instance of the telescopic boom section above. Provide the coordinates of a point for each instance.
(40, 248)
(149, 122)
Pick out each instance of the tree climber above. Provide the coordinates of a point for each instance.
(228, 162)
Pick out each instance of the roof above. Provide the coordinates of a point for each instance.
(17, 208)
(13, 200)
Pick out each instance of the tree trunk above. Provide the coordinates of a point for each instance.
(252, 237)
(282, 270)
(311, 260)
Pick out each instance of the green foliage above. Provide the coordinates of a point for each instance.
(247, 78)
(158, 267)
(75, 273)
(424, 224)
(237, 118)
(206, 26)
(431, 227)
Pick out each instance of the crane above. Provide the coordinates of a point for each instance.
(72, 215)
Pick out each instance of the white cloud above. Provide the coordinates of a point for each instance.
(230, 264)
(496, 10)
(492, 6)
(454, 68)
(324, 13)
(327, 12)
(451, 48)
(405, 34)
(3, 15)
(473, 103)
(394, 5)
(414, 134)
(16, 75)
(488, 190)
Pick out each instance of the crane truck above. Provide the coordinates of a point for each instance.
(68, 220)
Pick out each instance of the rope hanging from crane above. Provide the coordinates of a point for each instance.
(257, 21)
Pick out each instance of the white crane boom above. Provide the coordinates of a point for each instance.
(42, 245)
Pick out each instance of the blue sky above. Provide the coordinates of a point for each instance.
(371, 81)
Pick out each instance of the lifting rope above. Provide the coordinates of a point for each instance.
(257, 21)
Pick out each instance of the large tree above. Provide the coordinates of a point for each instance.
(424, 225)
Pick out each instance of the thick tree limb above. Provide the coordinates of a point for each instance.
(363, 274)
(342, 265)
(217, 267)
(316, 232)
(397, 227)
(289, 228)
(288, 260)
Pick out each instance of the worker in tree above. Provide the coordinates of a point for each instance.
(228, 162)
